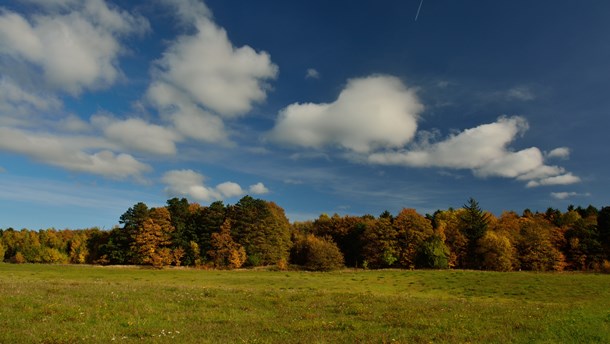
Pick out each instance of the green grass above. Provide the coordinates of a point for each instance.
(68, 304)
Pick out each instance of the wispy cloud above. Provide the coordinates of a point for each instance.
(312, 74)
(566, 195)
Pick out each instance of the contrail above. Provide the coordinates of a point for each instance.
(419, 9)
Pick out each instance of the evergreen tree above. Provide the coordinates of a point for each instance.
(474, 224)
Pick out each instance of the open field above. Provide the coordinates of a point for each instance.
(67, 304)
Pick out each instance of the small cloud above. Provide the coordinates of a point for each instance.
(192, 184)
(312, 74)
(566, 195)
(520, 93)
(561, 153)
(230, 189)
(258, 189)
(564, 179)
(443, 84)
(2, 169)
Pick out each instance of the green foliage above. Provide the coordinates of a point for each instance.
(346, 232)
(603, 226)
(474, 224)
(380, 248)
(262, 229)
(2, 252)
(317, 254)
(433, 254)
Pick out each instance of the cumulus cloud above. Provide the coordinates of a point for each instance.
(136, 134)
(229, 189)
(472, 148)
(72, 153)
(370, 113)
(484, 150)
(192, 184)
(561, 153)
(75, 48)
(258, 189)
(188, 118)
(202, 78)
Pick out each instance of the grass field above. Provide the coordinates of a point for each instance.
(68, 304)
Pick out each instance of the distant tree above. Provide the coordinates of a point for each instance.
(346, 232)
(152, 244)
(535, 246)
(433, 254)
(496, 251)
(317, 254)
(77, 248)
(207, 220)
(603, 226)
(262, 229)
(474, 223)
(447, 226)
(412, 229)
(184, 229)
(118, 249)
(584, 249)
(380, 244)
(224, 251)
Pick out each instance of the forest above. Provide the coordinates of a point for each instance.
(255, 232)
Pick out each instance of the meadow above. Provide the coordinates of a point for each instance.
(71, 303)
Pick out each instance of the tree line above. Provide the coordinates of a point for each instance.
(255, 232)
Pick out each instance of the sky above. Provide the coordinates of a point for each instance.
(349, 107)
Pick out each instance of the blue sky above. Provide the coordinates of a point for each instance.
(349, 107)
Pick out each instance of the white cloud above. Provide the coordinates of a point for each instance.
(484, 150)
(258, 189)
(473, 148)
(72, 153)
(312, 74)
(192, 184)
(202, 77)
(563, 195)
(229, 189)
(372, 112)
(72, 123)
(561, 153)
(136, 134)
(564, 179)
(188, 183)
(76, 48)
(207, 68)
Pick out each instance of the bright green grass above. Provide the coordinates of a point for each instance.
(68, 304)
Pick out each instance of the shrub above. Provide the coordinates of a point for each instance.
(18, 258)
(433, 253)
(317, 254)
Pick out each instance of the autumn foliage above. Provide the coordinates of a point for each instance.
(255, 232)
